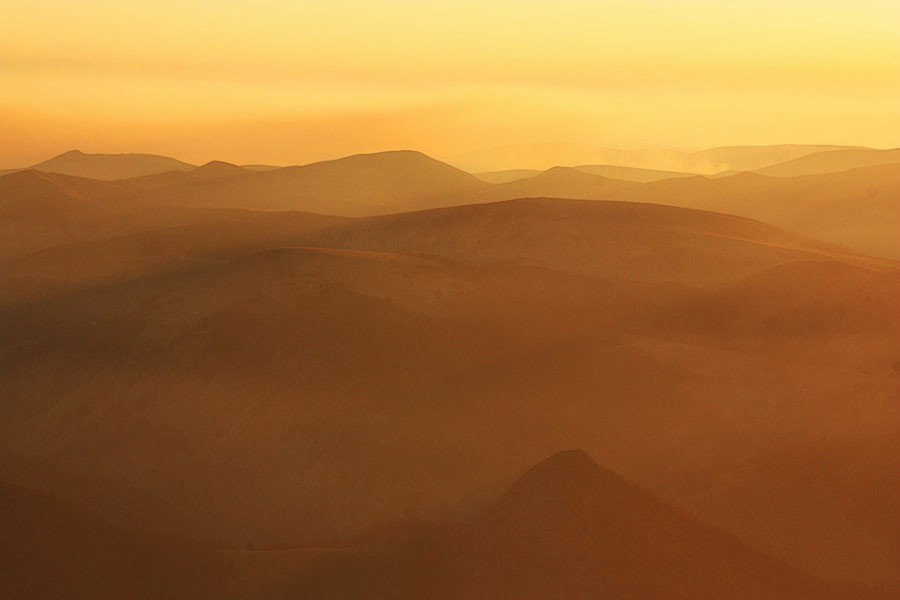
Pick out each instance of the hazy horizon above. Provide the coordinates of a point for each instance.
(286, 83)
(545, 159)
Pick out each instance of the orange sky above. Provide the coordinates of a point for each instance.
(286, 82)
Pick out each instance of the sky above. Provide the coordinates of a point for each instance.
(289, 82)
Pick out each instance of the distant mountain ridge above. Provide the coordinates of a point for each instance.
(710, 161)
(362, 184)
(110, 166)
(832, 161)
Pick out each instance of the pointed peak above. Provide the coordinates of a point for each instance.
(566, 460)
(558, 484)
(567, 470)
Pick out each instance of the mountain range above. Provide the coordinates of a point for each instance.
(853, 206)
(284, 358)
(711, 161)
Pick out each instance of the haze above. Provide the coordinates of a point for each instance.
(292, 82)
(452, 301)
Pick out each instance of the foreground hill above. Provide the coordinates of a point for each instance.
(569, 528)
(281, 377)
(51, 549)
(832, 161)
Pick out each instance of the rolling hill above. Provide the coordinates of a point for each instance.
(832, 161)
(606, 239)
(711, 161)
(632, 173)
(254, 369)
(856, 208)
(352, 186)
(41, 210)
(852, 208)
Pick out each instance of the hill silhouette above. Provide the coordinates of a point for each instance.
(610, 239)
(351, 186)
(632, 173)
(609, 171)
(109, 166)
(710, 161)
(569, 528)
(832, 161)
(217, 169)
(851, 208)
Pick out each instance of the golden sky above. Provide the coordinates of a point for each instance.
(287, 82)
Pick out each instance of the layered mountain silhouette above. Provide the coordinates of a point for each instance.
(178, 353)
(356, 185)
(852, 208)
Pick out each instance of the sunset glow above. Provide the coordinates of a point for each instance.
(290, 82)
